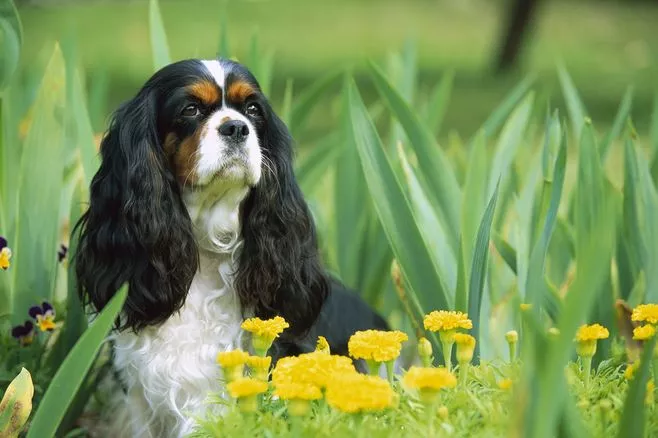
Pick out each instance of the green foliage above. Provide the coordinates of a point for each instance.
(480, 225)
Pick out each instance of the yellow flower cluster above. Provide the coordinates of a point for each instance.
(315, 368)
(268, 328)
(443, 320)
(644, 333)
(229, 359)
(429, 378)
(322, 345)
(298, 391)
(376, 345)
(246, 387)
(591, 333)
(354, 392)
(646, 313)
(465, 347)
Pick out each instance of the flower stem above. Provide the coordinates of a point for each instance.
(586, 361)
(431, 413)
(389, 370)
(373, 367)
(446, 347)
(654, 364)
(512, 351)
(463, 373)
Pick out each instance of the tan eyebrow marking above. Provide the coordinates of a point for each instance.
(206, 91)
(239, 91)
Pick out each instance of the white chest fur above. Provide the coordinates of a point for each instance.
(170, 370)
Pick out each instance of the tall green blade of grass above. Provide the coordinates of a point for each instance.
(306, 101)
(536, 290)
(349, 200)
(89, 157)
(395, 213)
(595, 226)
(11, 39)
(314, 166)
(653, 139)
(402, 75)
(632, 422)
(436, 173)
(641, 219)
(40, 186)
(475, 191)
(479, 268)
(502, 111)
(430, 225)
(437, 104)
(74, 368)
(618, 125)
(575, 106)
(159, 46)
(260, 64)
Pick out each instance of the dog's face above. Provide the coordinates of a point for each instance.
(212, 123)
(197, 133)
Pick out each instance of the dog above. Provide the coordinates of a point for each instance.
(195, 207)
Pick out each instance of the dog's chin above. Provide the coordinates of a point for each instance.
(235, 172)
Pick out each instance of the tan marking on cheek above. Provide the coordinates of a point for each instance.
(206, 92)
(239, 91)
(170, 144)
(186, 158)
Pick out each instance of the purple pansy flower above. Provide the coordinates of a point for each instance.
(61, 254)
(24, 333)
(44, 315)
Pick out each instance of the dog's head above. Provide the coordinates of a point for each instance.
(198, 136)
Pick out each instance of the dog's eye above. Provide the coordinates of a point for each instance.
(191, 110)
(253, 110)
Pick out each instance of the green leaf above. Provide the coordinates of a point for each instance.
(11, 40)
(506, 251)
(395, 214)
(479, 267)
(89, 156)
(159, 46)
(575, 107)
(502, 111)
(438, 102)
(40, 186)
(633, 417)
(619, 122)
(286, 106)
(74, 368)
(436, 173)
(434, 234)
(306, 101)
(536, 291)
(315, 165)
(350, 202)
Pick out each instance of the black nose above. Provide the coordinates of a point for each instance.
(235, 130)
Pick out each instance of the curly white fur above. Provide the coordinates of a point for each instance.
(169, 370)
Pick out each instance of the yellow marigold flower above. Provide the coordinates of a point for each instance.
(425, 351)
(322, 345)
(646, 312)
(354, 392)
(505, 384)
(297, 391)
(232, 362)
(232, 358)
(512, 336)
(591, 333)
(586, 338)
(264, 331)
(376, 345)
(443, 320)
(260, 366)
(429, 378)
(245, 387)
(644, 333)
(465, 347)
(315, 368)
(525, 307)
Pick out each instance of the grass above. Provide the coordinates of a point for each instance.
(605, 45)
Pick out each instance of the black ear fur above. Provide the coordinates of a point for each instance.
(279, 270)
(137, 229)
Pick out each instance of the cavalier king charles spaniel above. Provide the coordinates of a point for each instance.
(195, 206)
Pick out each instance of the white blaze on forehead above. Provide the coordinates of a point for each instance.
(216, 70)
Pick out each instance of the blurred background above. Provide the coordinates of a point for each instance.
(489, 44)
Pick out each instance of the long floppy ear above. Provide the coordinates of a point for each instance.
(136, 229)
(279, 270)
